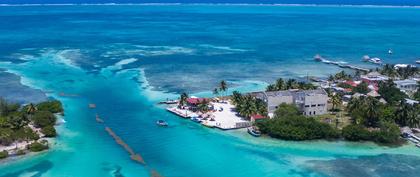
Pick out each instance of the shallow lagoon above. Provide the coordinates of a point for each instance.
(88, 52)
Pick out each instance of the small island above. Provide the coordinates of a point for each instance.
(380, 106)
(25, 128)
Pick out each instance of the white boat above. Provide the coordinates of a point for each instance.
(162, 123)
(418, 61)
(254, 131)
(375, 60)
(418, 145)
(390, 51)
(413, 140)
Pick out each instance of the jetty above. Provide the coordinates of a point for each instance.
(98, 119)
(169, 102)
(340, 64)
(180, 112)
(134, 156)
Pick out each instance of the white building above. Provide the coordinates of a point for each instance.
(407, 85)
(310, 102)
(373, 77)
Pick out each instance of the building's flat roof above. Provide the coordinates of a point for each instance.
(406, 82)
(278, 93)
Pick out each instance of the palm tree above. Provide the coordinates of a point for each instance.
(215, 92)
(203, 106)
(279, 84)
(408, 115)
(223, 86)
(336, 101)
(372, 111)
(271, 87)
(236, 98)
(331, 78)
(183, 99)
(31, 109)
(291, 84)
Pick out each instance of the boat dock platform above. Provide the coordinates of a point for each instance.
(180, 112)
(341, 65)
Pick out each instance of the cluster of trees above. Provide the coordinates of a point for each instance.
(15, 120)
(390, 92)
(281, 84)
(382, 119)
(402, 73)
(247, 105)
(341, 76)
(388, 133)
(289, 124)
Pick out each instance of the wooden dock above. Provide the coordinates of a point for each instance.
(341, 65)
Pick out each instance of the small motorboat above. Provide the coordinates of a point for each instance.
(390, 51)
(418, 61)
(375, 60)
(196, 119)
(162, 123)
(254, 131)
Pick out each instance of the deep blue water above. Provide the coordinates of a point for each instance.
(126, 58)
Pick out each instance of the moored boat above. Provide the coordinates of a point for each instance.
(375, 60)
(161, 123)
(196, 119)
(418, 61)
(254, 131)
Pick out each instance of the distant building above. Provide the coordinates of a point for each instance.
(407, 85)
(398, 66)
(257, 117)
(373, 77)
(310, 102)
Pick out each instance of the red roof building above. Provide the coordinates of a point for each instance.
(195, 101)
(257, 117)
(352, 83)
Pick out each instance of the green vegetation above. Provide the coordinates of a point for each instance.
(289, 124)
(20, 152)
(281, 84)
(247, 105)
(381, 119)
(388, 133)
(3, 154)
(36, 147)
(390, 92)
(361, 88)
(402, 73)
(50, 106)
(183, 99)
(223, 86)
(339, 76)
(43, 118)
(16, 121)
(49, 131)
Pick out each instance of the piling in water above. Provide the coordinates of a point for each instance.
(134, 156)
(98, 119)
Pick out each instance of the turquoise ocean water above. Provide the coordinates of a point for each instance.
(127, 58)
